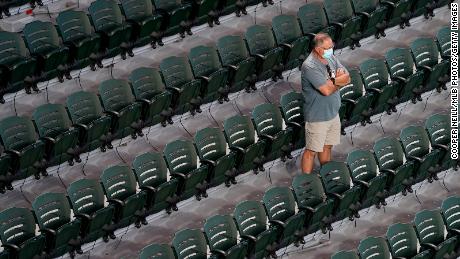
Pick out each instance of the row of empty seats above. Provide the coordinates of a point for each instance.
(433, 234)
(78, 40)
(338, 191)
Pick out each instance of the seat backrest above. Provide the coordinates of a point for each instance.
(221, 232)
(355, 88)
(146, 83)
(12, 46)
(41, 36)
(400, 62)
(150, 169)
(268, 119)
(438, 127)
(105, 14)
(176, 71)
(167, 4)
(74, 25)
(119, 182)
(250, 218)
(374, 247)
(232, 49)
(403, 240)
(17, 132)
(279, 203)
(239, 131)
(415, 141)
(336, 177)
(84, 107)
(425, 51)
(450, 208)
(86, 196)
(312, 18)
(188, 243)
(52, 210)
(338, 10)
(362, 165)
(374, 72)
(345, 255)
(156, 251)
(292, 107)
(286, 28)
(136, 9)
(16, 225)
(367, 6)
(260, 39)
(389, 153)
(115, 94)
(308, 190)
(181, 156)
(210, 143)
(204, 60)
(444, 40)
(51, 120)
(430, 227)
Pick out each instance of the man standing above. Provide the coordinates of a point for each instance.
(322, 77)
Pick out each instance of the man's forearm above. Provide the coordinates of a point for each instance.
(342, 80)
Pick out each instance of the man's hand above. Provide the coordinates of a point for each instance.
(340, 72)
(342, 78)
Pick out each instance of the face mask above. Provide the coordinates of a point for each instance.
(328, 53)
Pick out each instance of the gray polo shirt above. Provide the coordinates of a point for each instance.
(318, 107)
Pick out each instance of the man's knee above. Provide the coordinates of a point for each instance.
(327, 148)
(309, 153)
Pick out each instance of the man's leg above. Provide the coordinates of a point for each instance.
(332, 138)
(308, 160)
(325, 156)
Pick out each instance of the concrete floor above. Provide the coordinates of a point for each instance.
(222, 200)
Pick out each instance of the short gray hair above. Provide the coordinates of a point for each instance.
(320, 38)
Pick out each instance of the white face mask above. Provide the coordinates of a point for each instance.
(328, 53)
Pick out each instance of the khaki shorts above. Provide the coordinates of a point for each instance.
(319, 134)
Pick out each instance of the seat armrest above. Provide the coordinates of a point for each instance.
(11, 246)
(426, 68)
(266, 137)
(181, 175)
(13, 152)
(336, 195)
(444, 147)
(399, 78)
(289, 46)
(388, 3)
(208, 162)
(113, 113)
(349, 101)
(278, 222)
(311, 34)
(145, 101)
(252, 238)
(48, 231)
(82, 126)
(116, 201)
(340, 25)
(232, 67)
(362, 183)
(204, 78)
(260, 56)
(389, 171)
(175, 89)
(236, 148)
(456, 231)
(418, 159)
(49, 139)
(149, 188)
(219, 252)
(293, 123)
(431, 246)
(83, 216)
(373, 89)
(364, 14)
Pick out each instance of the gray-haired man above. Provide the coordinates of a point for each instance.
(322, 77)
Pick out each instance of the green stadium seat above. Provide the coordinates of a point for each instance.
(373, 15)
(151, 173)
(375, 77)
(390, 158)
(212, 151)
(109, 23)
(251, 221)
(17, 233)
(438, 128)
(190, 243)
(374, 247)
(280, 205)
(206, 67)
(55, 129)
(146, 24)
(177, 14)
(262, 46)
(312, 18)
(78, 35)
(450, 209)
(87, 115)
(432, 234)
(338, 186)
(404, 243)
(400, 12)
(235, 57)
(426, 55)
(27, 151)
(364, 172)
(205, 11)
(444, 42)
(269, 125)
(291, 105)
(288, 35)
(53, 214)
(311, 198)
(222, 237)
(120, 186)
(150, 90)
(416, 144)
(423, 7)
(5, 168)
(44, 44)
(156, 251)
(182, 162)
(178, 78)
(340, 15)
(119, 102)
(86, 197)
(240, 135)
(401, 67)
(345, 255)
(17, 67)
